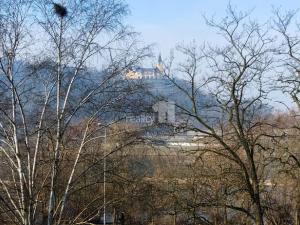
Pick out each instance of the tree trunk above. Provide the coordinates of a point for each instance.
(259, 211)
(297, 210)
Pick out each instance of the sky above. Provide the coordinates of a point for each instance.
(170, 22)
(167, 23)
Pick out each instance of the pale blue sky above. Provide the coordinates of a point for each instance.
(169, 22)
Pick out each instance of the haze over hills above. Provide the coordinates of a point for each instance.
(140, 88)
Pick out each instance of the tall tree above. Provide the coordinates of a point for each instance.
(234, 116)
(44, 97)
(288, 50)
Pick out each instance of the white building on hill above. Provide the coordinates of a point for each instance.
(147, 73)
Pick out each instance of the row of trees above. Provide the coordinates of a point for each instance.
(240, 74)
(53, 109)
(52, 105)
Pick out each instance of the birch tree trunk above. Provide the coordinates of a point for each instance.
(51, 102)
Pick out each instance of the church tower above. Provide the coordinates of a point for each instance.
(160, 66)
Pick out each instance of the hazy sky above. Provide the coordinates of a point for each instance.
(169, 22)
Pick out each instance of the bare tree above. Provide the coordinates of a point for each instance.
(288, 52)
(13, 19)
(42, 103)
(234, 117)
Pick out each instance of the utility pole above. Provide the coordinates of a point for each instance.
(104, 177)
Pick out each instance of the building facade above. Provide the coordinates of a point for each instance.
(147, 73)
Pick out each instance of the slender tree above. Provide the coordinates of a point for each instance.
(44, 97)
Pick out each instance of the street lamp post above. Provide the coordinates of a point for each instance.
(104, 177)
(104, 172)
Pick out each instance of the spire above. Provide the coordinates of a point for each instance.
(159, 59)
(159, 66)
